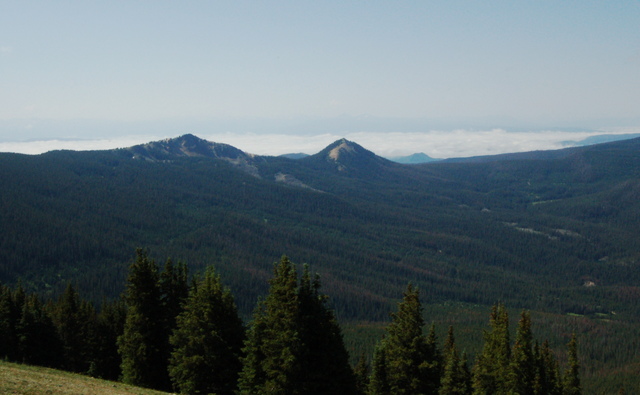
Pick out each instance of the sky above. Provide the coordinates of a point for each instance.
(448, 78)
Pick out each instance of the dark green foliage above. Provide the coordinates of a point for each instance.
(174, 290)
(207, 341)
(491, 373)
(553, 222)
(9, 316)
(523, 363)
(572, 375)
(362, 371)
(411, 361)
(456, 378)
(379, 381)
(294, 345)
(75, 321)
(273, 342)
(110, 325)
(547, 379)
(141, 344)
(324, 360)
(38, 341)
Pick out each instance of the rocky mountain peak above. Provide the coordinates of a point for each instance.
(189, 145)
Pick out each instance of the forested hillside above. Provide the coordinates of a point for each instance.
(553, 232)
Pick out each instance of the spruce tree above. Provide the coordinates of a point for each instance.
(572, 375)
(547, 379)
(207, 340)
(491, 372)
(412, 362)
(110, 325)
(324, 359)
(379, 381)
(142, 343)
(294, 345)
(273, 343)
(455, 376)
(38, 339)
(362, 371)
(75, 320)
(8, 321)
(174, 290)
(523, 366)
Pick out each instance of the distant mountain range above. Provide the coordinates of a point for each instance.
(414, 158)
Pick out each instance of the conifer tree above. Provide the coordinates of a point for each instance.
(547, 379)
(207, 340)
(8, 337)
(362, 371)
(455, 376)
(523, 367)
(141, 344)
(572, 375)
(294, 345)
(174, 290)
(379, 381)
(411, 360)
(273, 343)
(38, 340)
(75, 321)
(492, 369)
(324, 359)
(109, 326)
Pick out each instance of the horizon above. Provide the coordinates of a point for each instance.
(442, 144)
(385, 72)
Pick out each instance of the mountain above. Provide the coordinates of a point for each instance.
(420, 157)
(189, 145)
(551, 231)
(602, 138)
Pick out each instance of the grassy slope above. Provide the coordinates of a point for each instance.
(23, 379)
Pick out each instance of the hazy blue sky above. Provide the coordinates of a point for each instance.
(115, 69)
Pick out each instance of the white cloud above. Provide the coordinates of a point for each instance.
(41, 146)
(5, 50)
(437, 144)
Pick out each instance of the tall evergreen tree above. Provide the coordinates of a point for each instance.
(547, 379)
(174, 290)
(273, 343)
(492, 369)
(110, 325)
(324, 359)
(412, 363)
(38, 339)
(207, 341)
(379, 381)
(295, 345)
(572, 375)
(455, 376)
(8, 320)
(362, 371)
(523, 366)
(141, 344)
(75, 321)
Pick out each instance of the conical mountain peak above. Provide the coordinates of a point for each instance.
(348, 156)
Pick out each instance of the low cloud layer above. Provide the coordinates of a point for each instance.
(437, 144)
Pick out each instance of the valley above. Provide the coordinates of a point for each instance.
(554, 232)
